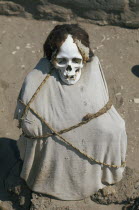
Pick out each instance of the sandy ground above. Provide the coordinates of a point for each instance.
(21, 42)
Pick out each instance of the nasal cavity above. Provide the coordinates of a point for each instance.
(68, 68)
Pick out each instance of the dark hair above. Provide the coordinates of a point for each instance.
(58, 35)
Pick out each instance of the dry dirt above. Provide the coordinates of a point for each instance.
(21, 42)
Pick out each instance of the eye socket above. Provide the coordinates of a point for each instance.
(61, 60)
(76, 60)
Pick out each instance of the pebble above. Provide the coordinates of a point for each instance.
(22, 66)
(108, 191)
(136, 100)
(118, 94)
(33, 51)
(22, 200)
(17, 48)
(28, 45)
(122, 87)
(14, 52)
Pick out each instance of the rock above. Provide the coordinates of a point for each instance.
(14, 52)
(17, 48)
(28, 45)
(136, 100)
(54, 12)
(114, 12)
(124, 191)
(118, 94)
(11, 8)
(111, 190)
(23, 66)
(6, 205)
(122, 87)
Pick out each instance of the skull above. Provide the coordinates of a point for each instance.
(69, 61)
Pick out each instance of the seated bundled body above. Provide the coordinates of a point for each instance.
(73, 141)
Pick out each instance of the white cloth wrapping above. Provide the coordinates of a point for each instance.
(49, 165)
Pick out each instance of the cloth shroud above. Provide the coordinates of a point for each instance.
(49, 165)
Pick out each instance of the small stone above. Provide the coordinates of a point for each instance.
(17, 48)
(14, 52)
(28, 45)
(122, 87)
(22, 201)
(136, 100)
(33, 51)
(130, 100)
(108, 190)
(118, 94)
(22, 66)
(102, 23)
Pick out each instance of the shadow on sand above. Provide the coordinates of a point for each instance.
(12, 188)
(135, 70)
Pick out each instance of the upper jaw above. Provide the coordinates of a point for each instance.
(69, 76)
(70, 79)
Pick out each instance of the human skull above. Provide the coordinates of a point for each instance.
(69, 61)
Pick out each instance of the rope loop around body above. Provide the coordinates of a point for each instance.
(85, 120)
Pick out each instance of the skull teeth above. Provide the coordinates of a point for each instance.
(72, 76)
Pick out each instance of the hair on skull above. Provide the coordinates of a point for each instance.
(59, 34)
